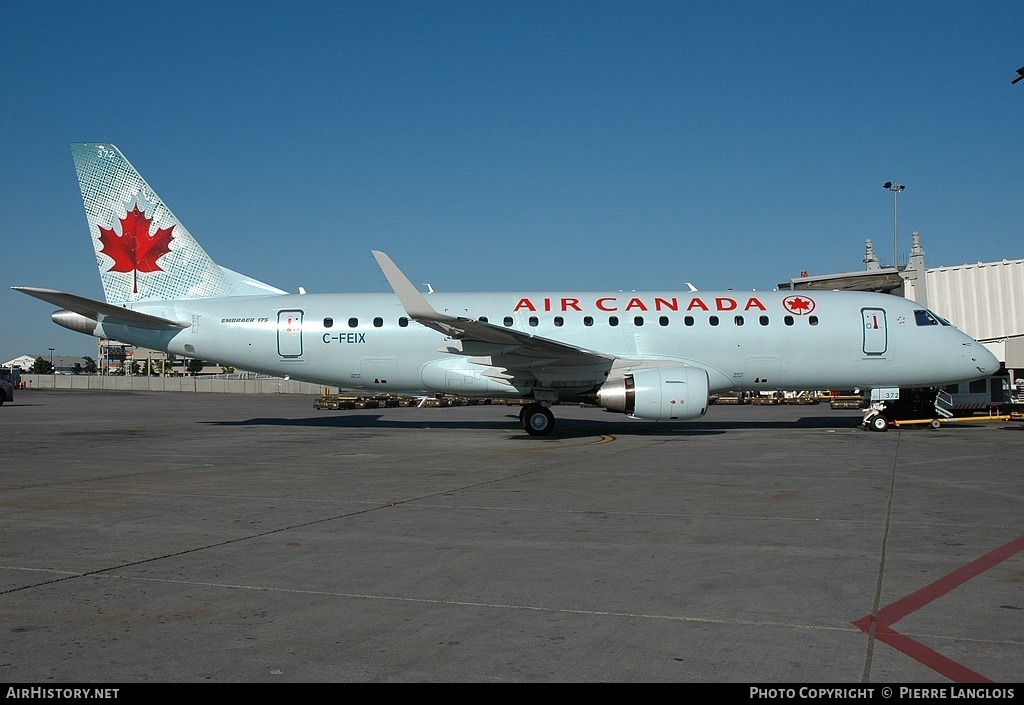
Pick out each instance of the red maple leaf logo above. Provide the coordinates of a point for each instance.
(800, 305)
(134, 250)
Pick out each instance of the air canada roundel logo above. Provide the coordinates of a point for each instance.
(798, 305)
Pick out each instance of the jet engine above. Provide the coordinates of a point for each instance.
(658, 393)
(75, 321)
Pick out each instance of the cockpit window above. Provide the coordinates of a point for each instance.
(925, 318)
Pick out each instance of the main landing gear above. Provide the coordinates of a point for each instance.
(537, 419)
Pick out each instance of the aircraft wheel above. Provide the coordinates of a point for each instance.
(879, 423)
(538, 420)
(936, 423)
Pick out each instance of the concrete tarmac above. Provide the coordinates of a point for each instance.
(157, 537)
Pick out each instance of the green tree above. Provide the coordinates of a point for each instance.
(90, 366)
(194, 366)
(41, 367)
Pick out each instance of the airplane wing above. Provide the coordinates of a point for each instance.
(99, 311)
(503, 346)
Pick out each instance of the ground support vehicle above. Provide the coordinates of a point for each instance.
(933, 408)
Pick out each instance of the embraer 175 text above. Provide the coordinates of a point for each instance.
(654, 355)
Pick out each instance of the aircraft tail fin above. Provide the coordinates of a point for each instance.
(143, 251)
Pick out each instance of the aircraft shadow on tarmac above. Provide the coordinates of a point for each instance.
(567, 427)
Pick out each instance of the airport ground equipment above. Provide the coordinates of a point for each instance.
(932, 408)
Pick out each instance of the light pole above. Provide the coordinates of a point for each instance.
(895, 188)
(52, 368)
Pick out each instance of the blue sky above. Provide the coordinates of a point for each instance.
(513, 145)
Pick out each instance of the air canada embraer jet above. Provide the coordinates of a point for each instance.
(653, 355)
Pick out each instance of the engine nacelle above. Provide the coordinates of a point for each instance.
(658, 393)
(75, 321)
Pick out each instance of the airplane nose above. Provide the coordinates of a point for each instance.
(982, 359)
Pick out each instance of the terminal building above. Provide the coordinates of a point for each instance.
(985, 300)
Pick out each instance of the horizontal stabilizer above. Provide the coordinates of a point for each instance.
(99, 311)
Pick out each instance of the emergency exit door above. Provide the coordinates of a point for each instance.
(876, 336)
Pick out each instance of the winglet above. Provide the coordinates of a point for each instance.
(529, 350)
(412, 300)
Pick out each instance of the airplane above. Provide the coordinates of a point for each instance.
(651, 355)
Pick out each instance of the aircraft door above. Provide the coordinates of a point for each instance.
(289, 334)
(876, 337)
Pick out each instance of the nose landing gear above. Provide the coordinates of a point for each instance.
(876, 421)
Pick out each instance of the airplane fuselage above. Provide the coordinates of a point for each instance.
(744, 340)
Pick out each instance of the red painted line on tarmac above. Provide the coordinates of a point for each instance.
(916, 600)
(958, 673)
(889, 615)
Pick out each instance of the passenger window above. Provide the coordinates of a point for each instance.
(638, 321)
(788, 320)
(763, 320)
(663, 321)
(613, 321)
(558, 321)
(353, 322)
(378, 322)
(328, 322)
(588, 320)
(813, 320)
(688, 321)
(534, 321)
(508, 321)
(738, 320)
(403, 322)
(482, 319)
(713, 320)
